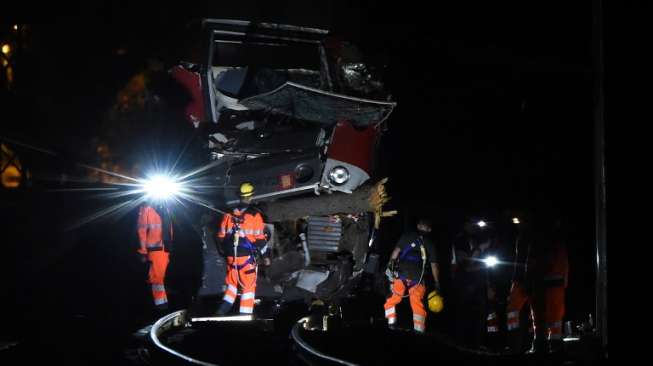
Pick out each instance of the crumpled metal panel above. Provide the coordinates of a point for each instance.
(358, 77)
(310, 279)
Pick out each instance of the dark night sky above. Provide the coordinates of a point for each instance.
(494, 100)
(482, 90)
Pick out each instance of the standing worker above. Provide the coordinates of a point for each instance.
(470, 282)
(543, 286)
(407, 266)
(155, 235)
(243, 241)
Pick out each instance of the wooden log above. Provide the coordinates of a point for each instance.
(367, 198)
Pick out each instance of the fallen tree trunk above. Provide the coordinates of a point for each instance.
(370, 198)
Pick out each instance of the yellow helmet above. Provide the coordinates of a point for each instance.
(435, 302)
(246, 190)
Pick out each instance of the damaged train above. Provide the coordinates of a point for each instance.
(299, 115)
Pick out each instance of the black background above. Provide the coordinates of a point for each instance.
(494, 113)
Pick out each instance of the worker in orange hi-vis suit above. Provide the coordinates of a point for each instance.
(543, 286)
(406, 269)
(243, 241)
(155, 235)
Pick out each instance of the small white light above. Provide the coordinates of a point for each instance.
(491, 261)
(515, 220)
(160, 187)
(481, 223)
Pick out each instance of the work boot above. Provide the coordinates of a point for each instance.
(538, 347)
(515, 343)
(224, 308)
(392, 324)
(556, 346)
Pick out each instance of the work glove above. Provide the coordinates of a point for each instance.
(392, 264)
(142, 255)
(260, 245)
(261, 250)
(391, 270)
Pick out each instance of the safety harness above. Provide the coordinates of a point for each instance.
(244, 243)
(405, 256)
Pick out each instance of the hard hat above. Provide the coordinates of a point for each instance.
(246, 190)
(435, 302)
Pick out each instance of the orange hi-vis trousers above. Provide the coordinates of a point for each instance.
(547, 310)
(416, 303)
(492, 322)
(158, 264)
(244, 278)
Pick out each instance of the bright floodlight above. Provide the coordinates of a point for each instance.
(161, 187)
(515, 220)
(491, 261)
(481, 223)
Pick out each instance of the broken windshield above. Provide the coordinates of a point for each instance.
(252, 69)
(279, 56)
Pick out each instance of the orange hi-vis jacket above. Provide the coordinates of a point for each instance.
(546, 279)
(150, 235)
(549, 268)
(150, 230)
(250, 228)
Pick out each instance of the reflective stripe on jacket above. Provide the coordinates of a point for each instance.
(150, 230)
(250, 227)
